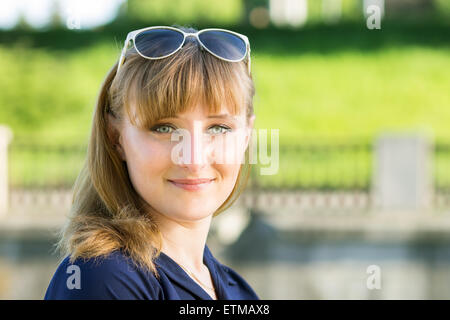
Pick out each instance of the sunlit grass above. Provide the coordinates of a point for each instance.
(352, 95)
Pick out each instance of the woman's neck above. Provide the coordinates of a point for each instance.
(185, 242)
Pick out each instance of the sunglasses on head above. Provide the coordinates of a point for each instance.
(160, 42)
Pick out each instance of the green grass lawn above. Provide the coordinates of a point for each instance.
(354, 95)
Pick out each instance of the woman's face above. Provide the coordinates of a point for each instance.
(194, 145)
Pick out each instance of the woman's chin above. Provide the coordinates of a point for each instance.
(191, 215)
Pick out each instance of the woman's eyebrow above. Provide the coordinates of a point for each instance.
(225, 115)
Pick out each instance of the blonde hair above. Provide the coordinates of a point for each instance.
(107, 213)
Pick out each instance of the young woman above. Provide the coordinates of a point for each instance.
(140, 216)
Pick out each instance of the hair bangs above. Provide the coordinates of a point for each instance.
(190, 78)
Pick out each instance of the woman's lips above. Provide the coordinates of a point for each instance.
(192, 184)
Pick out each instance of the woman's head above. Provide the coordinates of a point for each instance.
(130, 162)
(191, 85)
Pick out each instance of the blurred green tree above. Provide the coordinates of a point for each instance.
(22, 22)
(56, 21)
(442, 8)
(249, 5)
(186, 12)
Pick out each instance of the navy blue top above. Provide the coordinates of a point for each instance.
(116, 277)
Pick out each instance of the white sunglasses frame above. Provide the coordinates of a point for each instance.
(132, 36)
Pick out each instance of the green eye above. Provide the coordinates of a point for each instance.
(224, 128)
(216, 129)
(165, 128)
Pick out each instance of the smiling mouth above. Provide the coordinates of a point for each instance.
(192, 184)
(191, 181)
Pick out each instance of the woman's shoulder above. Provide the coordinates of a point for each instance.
(239, 288)
(233, 276)
(114, 276)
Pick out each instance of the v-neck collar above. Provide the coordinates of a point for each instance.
(178, 275)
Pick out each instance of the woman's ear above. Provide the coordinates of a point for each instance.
(113, 131)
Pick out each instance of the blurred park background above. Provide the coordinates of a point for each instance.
(364, 154)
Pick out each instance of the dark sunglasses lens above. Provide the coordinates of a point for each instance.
(224, 44)
(156, 43)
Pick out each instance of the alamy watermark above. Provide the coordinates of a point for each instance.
(374, 279)
(73, 21)
(227, 148)
(74, 280)
(374, 12)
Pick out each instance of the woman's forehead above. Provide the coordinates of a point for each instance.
(203, 111)
(195, 112)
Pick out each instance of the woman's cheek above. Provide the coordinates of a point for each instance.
(154, 157)
(226, 149)
(228, 172)
(144, 154)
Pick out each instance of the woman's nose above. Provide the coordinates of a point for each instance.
(197, 146)
(197, 149)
